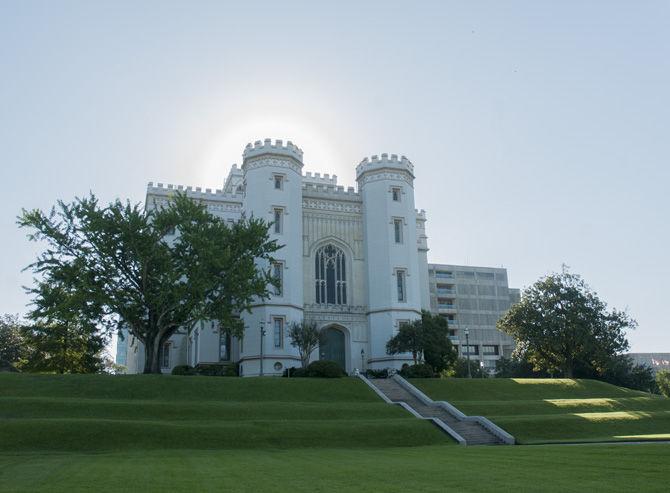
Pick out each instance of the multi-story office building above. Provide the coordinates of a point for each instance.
(473, 298)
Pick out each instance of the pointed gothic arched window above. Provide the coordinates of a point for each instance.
(330, 276)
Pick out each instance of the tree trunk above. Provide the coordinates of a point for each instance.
(567, 372)
(151, 356)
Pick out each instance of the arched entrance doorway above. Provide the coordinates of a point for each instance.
(332, 346)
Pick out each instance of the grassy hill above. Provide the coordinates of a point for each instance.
(99, 412)
(558, 410)
(161, 433)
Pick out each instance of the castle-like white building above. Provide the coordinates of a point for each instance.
(354, 261)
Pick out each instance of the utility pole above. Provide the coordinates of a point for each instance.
(262, 343)
(467, 346)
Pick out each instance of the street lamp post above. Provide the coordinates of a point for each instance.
(262, 340)
(362, 360)
(467, 348)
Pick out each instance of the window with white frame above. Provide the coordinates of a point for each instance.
(490, 350)
(471, 349)
(396, 193)
(278, 182)
(165, 355)
(400, 275)
(279, 220)
(224, 345)
(278, 275)
(397, 230)
(330, 275)
(401, 324)
(278, 331)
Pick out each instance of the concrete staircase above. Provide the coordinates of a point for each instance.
(472, 431)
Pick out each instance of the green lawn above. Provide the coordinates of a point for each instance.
(161, 433)
(106, 413)
(558, 410)
(622, 468)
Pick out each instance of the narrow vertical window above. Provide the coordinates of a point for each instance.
(395, 192)
(397, 230)
(279, 182)
(330, 276)
(278, 274)
(400, 281)
(196, 352)
(165, 357)
(278, 331)
(224, 346)
(279, 216)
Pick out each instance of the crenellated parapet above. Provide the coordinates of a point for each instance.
(193, 192)
(324, 179)
(334, 192)
(260, 148)
(377, 164)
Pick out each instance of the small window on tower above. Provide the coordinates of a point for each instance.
(278, 274)
(397, 230)
(400, 282)
(395, 191)
(279, 213)
(279, 182)
(278, 331)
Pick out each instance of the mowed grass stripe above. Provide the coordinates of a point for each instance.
(51, 407)
(186, 389)
(521, 389)
(103, 435)
(562, 406)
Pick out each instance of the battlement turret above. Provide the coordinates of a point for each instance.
(384, 162)
(267, 147)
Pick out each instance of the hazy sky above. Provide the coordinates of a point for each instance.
(538, 130)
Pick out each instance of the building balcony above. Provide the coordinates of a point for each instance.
(445, 291)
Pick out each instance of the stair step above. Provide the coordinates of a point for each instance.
(472, 433)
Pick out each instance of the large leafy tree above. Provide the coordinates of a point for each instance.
(156, 271)
(561, 325)
(427, 339)
(67, 335)
(304, 337)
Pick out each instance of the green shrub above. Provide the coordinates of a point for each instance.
(216, 369)
(663, 382)
(324, 369)
(183, 370)
(295, 372)
(460, 369)
(384, 373)
(420, 370)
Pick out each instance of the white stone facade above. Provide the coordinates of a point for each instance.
(354, 261)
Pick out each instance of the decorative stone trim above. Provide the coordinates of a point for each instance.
(272, 161)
